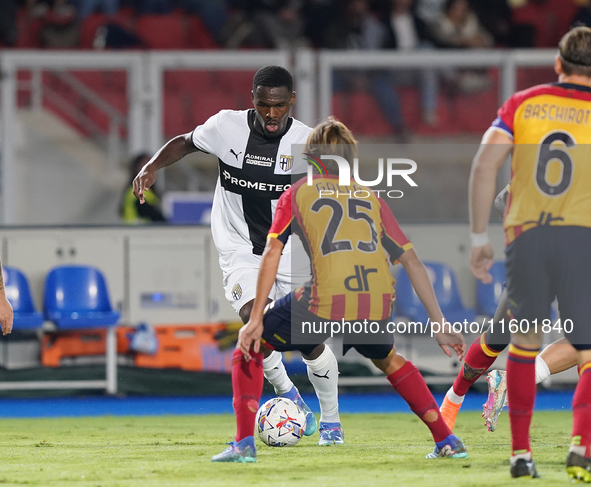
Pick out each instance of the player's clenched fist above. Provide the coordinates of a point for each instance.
(143, 182)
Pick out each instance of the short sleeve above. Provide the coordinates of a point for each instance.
(505, 116)
(281, 226)
(206, 137)
(393, 238)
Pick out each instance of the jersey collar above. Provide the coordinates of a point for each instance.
(573, 86)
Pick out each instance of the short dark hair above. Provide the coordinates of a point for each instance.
(272, 77)
(575, 51)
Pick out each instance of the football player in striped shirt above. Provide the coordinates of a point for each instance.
(253, 148)
(346, 234)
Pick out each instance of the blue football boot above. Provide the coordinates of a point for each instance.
(451, 447)
(311, 424)
(243, 451)
(331, 434)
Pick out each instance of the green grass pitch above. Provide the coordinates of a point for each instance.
(380, 449)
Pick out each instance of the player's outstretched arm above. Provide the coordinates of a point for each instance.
(174, 150)
(6, 314)
(421, 283)
(250, 334)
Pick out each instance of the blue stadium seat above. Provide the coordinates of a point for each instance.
(488, 295)
(18, 294)
(446, 289)
(77, 297)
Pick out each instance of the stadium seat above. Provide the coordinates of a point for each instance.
(198, 37)
(76, 297)
(446, 289)
(215, 101)
(187, 81)
(88, 29)
(28, 30)
(177, 119)
(488, 295)
(18, 294)
(161, 31)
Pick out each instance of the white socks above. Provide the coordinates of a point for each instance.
(275, 373)
(453, 397)
(542, 370)
(323, 373)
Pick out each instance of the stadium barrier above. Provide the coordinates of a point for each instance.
(145, 77)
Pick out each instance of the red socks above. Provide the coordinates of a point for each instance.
(582, 410)
(247, 386)
(478, 359)
(521, 388)
(409, 383)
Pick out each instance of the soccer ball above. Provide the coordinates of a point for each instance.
(280, 422)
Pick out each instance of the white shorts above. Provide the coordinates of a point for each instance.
(240, 271)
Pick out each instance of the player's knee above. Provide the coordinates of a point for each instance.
(391, 363)
(265, 350)
(315, 353)
(244, 312)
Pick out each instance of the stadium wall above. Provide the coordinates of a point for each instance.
(170, 274)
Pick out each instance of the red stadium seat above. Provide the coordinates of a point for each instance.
(88, 29)
(239, 82)
(126, 17)
(177, 116)
(359, 111)
(28, 30)
(103, 81)
(92, 79)
(206, 106)
(162, 31)
(198, 37)
(187, 81)
(115, 81)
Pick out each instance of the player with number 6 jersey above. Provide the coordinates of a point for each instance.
(550, 126)
(548, 235)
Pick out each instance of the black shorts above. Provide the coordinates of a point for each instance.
(547, 262)
(283, 332)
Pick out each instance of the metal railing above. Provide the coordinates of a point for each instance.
(313, 74)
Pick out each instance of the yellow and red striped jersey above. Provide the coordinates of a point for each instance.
(550, 170)
(346, 232)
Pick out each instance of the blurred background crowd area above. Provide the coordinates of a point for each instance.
(259, 24)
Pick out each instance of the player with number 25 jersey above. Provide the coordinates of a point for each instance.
(351, 277)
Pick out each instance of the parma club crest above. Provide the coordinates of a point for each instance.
(237, 292)
(285, 163)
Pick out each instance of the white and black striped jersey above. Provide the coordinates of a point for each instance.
(254, 172)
